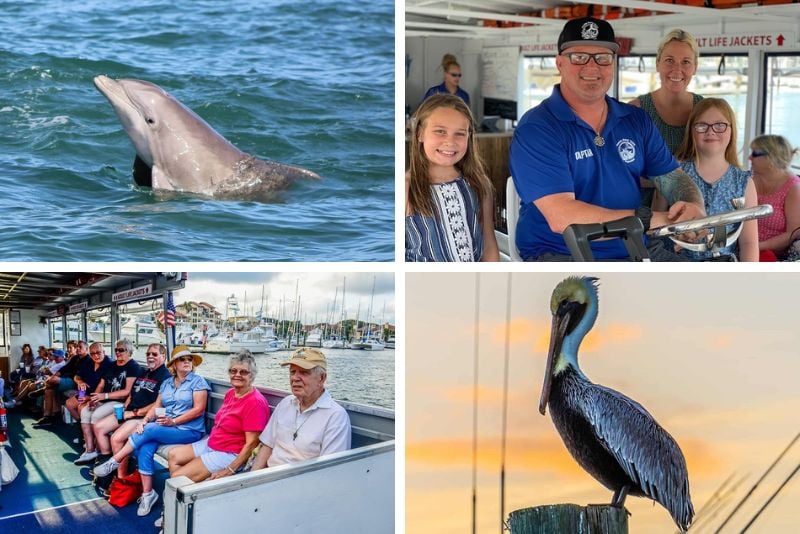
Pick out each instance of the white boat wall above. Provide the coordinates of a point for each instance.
(361, 479)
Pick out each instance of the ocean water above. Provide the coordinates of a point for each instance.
(360, 376)
(310, 85)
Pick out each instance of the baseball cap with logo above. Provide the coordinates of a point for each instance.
(587, 31)
(307, 358)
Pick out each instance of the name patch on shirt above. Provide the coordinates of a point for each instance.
(586, 153)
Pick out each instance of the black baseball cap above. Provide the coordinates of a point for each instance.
(587, 31)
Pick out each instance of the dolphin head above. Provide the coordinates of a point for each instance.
(178, 148)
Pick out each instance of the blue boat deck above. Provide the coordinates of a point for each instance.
(51, 494)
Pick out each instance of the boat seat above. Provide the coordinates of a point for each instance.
(512, 216)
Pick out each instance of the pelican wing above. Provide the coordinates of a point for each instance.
(644, 450)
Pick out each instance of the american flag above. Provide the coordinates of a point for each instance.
(170, 310)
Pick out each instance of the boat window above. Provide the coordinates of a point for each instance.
(74, 328)
(782, 99)
(637, 76)
(98, 323)
(2, 328)
(142, 323)
(538, 78)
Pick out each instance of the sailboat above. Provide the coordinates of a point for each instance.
(368, 342)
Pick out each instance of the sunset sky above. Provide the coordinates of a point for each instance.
(715, 358)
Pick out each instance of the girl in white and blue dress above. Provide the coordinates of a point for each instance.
(449, 198)
(708, 155)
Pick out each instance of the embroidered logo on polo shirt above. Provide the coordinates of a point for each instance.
(627, 150)
(589, 30)
(586, 153)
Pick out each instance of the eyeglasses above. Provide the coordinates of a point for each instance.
(185, 359)
(758, 153)
(120, 349)
(234, 372)
(702, 127)
(152, 354)
(455, 74)
(604, 59)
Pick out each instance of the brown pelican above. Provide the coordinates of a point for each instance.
(611, 436)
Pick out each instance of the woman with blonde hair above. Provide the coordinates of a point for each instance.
(452, 78)
(670, 105)
(770, 158)
(449, 197)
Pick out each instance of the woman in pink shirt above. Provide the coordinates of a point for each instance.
(770, 158)
(237, 426)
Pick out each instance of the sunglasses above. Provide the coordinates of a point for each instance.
(604, 59)
(718, 127)
(242, 372)
(96, 352)
(120, 349)
(152, 354)
(185, 359)
(758, 153)
(455, 74)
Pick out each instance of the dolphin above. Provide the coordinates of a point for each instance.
(176, 150)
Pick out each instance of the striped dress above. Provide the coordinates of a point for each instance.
(454, 233)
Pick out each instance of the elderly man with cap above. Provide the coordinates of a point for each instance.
(308, 423)
(177, 416)
(579, 156)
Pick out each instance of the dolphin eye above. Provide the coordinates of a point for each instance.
(150, 120)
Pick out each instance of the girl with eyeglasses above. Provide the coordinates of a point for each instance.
(452, 79)
(770, 159)
(708, 155)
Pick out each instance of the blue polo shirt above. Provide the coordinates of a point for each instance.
(442, 89)
(180, 400)
(553, 151)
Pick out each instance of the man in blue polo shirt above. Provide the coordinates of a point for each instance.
(578, 156)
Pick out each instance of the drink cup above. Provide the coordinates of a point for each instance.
(21, 365)
(27, 368)
(161, 412)
(119, 411)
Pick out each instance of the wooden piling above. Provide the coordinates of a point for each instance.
(569, 518)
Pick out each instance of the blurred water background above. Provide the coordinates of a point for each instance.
(308, 84)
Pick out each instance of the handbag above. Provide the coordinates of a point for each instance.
(125, 490)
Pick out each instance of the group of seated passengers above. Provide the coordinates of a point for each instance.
(27, 383)
(165, 403)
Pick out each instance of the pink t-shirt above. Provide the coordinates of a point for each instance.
(235, 417)
(775, 224)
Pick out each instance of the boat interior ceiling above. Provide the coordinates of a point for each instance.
(514, 21)
(51, 291)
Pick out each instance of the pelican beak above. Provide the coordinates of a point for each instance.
(557, 332)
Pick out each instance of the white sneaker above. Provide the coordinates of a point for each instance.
(85, 458)
(106, 467)
(159, 522)
(146, 502)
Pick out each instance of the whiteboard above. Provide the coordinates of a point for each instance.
(499, 71)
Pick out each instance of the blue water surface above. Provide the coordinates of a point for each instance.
(308, 84)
